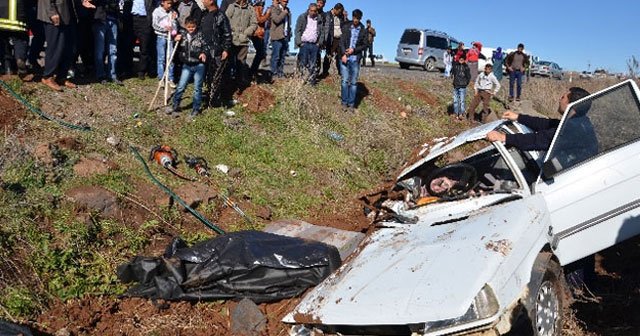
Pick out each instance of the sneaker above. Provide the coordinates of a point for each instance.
(51, 83)
(172, 84)
(141, 75)
(518, 99)
(103, 81)
(117, 82)
(510, 99)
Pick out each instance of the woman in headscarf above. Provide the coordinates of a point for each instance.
(498, 59)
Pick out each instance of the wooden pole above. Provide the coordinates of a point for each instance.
(166, 68)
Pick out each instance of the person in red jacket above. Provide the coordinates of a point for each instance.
(472, 59)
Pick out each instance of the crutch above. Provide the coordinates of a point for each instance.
(164, 79)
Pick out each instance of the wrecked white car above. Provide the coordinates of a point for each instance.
(477, 243)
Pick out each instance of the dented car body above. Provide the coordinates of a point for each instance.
(489, 254)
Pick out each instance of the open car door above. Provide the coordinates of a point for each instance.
(591, 174)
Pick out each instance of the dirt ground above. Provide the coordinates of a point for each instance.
(612, 307)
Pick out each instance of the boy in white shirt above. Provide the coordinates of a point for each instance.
(485, 87)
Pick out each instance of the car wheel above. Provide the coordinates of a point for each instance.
(546, 311)
(429, 64)
(404, 66)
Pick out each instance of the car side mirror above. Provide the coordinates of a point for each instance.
(551, 168)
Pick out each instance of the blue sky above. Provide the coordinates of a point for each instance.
(571, 33)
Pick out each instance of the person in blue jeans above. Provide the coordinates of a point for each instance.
(352, 43)
(280, 33)
(192, 51)
(105, 33)
(517, 62)
(309, 39)
(461, 78)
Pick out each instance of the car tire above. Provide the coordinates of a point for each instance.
(549, 300)
(404, 66)
(429, 64)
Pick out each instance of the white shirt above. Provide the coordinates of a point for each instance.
(487, 82)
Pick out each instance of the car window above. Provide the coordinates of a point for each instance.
(454, 44)
(436, 42)
(600, 124)
(410, 37)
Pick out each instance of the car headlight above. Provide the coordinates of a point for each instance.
(484, 305)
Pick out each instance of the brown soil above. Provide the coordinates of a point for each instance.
(385, 102)
(420, 93)
(257, 99)
(10, 112)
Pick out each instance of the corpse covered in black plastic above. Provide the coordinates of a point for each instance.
(261, 266)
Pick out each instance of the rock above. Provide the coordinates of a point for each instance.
(113, 141)
(195, 194)
(408, 108)
(247, 319)
(70, 144)
(63, 332)
(94, 198)
(264, 213)
(43, 153)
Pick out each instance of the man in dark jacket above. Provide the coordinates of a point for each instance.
(461, 78)
(517, 62)
(217, 33)
(105, 32)
(138, 14)
(545, 129)
(13, 30)
(352, 44)
(59, 19)
(192, 51)
(280, 36)
(333, 31)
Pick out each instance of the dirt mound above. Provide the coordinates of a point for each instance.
(257, 99)
(10, 111)
(418, 92)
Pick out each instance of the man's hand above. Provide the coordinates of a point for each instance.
(496, 136)
(88, 4)
(344, 59)
(203, 57)
(349, 51)
(178, 37)
(510, 115)
(224, 56)
(55, 20)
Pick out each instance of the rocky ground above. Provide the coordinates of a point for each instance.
(399, 109)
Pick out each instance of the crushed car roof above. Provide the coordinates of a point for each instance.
(444, 145)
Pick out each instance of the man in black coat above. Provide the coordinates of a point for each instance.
(216, 29)
(352, 43)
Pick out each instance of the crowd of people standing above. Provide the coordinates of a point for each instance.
(462, 64)
(94, 40)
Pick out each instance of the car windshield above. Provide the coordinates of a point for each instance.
(544, 63)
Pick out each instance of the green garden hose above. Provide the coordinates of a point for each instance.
(39, 111)
(135, 153)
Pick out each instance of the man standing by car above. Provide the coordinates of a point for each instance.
(371, 34)
(517, 62)
(352, 43)
(486, 86)
(583, 140)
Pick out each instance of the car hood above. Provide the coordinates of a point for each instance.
(443, 145)
(418, 273)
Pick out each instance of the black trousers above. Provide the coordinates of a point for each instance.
(13, 47)
(59, 52)
(142, 31)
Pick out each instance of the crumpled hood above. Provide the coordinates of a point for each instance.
(418, 273)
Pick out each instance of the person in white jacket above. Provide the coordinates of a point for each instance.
(485, 87)
(448, 62)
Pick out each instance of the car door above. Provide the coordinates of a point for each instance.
(591, 175)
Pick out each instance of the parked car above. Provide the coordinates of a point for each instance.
(424, 48)
(547, 69)
(586, 75)
(478, 244)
